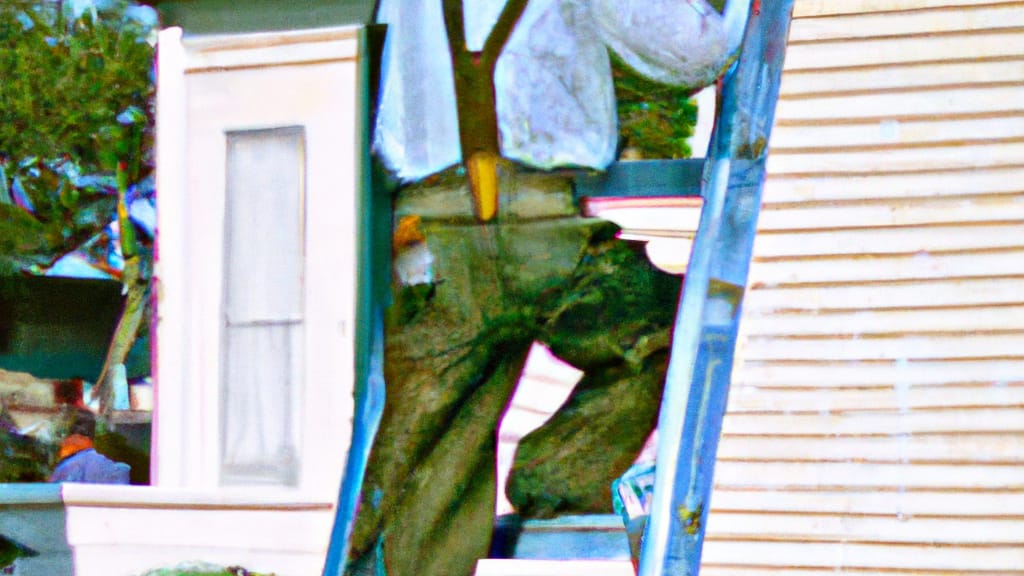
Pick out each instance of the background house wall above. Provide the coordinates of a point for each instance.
(876, 418)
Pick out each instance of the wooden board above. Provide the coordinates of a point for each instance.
(895, 212)
(967, 130)
(889, 528)
(896, 240)
(951, 19)
(878, 106)
(800, 84)
(827, 189)
(847, 269)
(961, 448)
(870, 322)
(900, 49)
(884, 373)
(981, 154)
(813, 8)
(752, 570)
(887, 347)
(1008, 420)
(895, 296)
(860, 558)
(902, 399)
(859, 502)
(492, 567)
(925, 477)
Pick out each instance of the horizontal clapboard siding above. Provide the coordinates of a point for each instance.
(756, 400)
(893, 50)
(793, 555)
(872, 502)
(870, 528)
(972, 319)
(941, 293)
(931, 103)
(876, 417)
(868, 186)
(908, 133)
(733, 570)
(907, 77)
(976, 236)
(963, 448)
(873, 424)
(892, 347)
(902, 23)
(878, 374)
(805, 10)
(900, 159)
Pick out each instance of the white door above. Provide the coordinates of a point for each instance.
(257, 187)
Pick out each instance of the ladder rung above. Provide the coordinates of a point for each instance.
(643, 178)
(554, 568)
(579, 537)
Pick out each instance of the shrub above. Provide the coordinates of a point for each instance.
(75, 100)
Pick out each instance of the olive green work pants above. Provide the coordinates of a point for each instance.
(454, 351)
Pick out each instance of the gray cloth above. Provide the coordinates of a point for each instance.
(90, 467)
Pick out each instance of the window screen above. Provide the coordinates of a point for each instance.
(263, 306)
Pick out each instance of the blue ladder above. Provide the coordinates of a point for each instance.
(707, 321)
(730, 181)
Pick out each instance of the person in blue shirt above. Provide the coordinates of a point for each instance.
(80, 462)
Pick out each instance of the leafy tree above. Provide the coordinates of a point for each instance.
(76, 135)
(655, 120)
(22, 458)
(74, 101)
(66, 80)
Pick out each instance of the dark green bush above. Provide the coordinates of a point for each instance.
(66, 81)
(655, 120)
(75, 99)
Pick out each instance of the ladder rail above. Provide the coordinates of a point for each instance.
(707, 321)
(372, 288)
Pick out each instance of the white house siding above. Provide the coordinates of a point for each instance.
(876, 417)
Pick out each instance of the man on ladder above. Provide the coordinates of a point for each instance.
(457, 335)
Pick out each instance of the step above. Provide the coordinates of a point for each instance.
(489, 567)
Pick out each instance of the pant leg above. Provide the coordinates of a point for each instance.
(443, 362)
(614, 324)
(452, 362)
(442, 525)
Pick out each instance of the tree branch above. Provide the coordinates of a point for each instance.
(455, 25)
(503, 28)
(125, 333)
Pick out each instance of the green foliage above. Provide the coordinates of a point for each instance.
(11, 551)
(66, 82)
(75, 101)
(655, 120)
(22, 458)
(115, 446)
(22, 238)
(202, 569)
